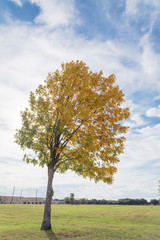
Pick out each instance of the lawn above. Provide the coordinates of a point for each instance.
(81, 222)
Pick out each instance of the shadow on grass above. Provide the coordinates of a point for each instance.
(51, 235)
(63, 235)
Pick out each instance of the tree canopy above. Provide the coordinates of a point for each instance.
(75, 121)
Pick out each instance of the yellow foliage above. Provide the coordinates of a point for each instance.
(75, 121)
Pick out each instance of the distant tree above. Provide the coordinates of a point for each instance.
(129, 201)
(75, 122)
(83, 201)
(154, 202)
(143, 201)
(103, 201)
(72, 198)
(67, 200)
(76, 201)
(112, 202)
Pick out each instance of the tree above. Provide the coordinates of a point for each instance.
(74, 121)
(72, 198)
(67, 200)
(83, 201)
(154, 202)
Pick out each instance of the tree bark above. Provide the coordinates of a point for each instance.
(46, 224)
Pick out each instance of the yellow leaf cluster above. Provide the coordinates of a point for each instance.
(75, 122)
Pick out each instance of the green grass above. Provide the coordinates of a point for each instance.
(80, 222)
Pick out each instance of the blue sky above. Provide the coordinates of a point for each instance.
(116, 36)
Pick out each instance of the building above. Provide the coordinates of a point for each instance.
(21, 200)
(57, 201)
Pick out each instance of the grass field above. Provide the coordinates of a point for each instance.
(81, 222)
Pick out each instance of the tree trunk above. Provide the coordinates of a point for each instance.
(46, 224)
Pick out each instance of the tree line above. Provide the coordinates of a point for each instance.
(125, 201)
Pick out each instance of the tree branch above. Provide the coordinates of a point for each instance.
(67, 159)
(67, 140)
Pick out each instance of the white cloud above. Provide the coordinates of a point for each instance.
(55, 13)
(149, 60)
(133, 7)
(35, 51)
(32, 176)
(156, 98)
(18, 2)
(142, 148)
(137, 120)
(153, 112)
(151, 131)
(137, 111)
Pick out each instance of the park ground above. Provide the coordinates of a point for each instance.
(81, 222)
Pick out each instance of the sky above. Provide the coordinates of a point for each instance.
(120, 37)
